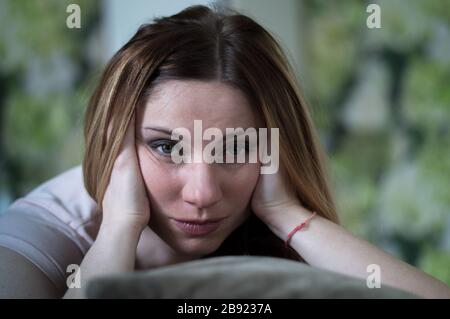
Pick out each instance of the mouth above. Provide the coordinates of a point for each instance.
(196, 227)
(199, 221)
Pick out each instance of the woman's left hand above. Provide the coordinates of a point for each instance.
(271, 196)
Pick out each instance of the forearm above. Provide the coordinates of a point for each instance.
(113, 251)
(327, 245)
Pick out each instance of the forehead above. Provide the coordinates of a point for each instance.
(178, 103)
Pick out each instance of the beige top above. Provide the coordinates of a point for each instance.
(53, 226)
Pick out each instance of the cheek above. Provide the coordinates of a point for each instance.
(158, 181)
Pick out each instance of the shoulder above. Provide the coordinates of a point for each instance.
(62, 199)
(53, 226)
(14, 267)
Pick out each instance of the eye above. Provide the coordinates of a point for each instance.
(235, 149)
(163, 147)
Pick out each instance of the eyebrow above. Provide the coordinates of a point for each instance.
(169, 132)
(159, 129)
(162, 130)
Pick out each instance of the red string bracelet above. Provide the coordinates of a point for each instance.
(297, 228)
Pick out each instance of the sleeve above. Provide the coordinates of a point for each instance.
(48, 231)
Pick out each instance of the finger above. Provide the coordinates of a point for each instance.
(127, 150)
(129, 138)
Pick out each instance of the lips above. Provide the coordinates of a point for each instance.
(198, 221)
(197, 228)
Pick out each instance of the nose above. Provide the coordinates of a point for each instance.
(202, 188)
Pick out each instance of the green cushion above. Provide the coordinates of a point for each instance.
(237, 277)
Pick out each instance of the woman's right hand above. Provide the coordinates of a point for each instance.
(126, 202)
(126, 213)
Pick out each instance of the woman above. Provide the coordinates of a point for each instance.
(200, 64)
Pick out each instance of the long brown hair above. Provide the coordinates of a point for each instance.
(209, 44)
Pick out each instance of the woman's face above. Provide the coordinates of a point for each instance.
(194, 190)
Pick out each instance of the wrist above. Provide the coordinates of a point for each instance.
(285, 220)
(120, 229)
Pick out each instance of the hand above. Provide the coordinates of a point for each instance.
(272, 195)
(125, 201)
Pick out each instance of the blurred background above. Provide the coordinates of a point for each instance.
(380, 98)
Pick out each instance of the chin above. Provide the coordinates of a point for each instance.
(197, 247)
